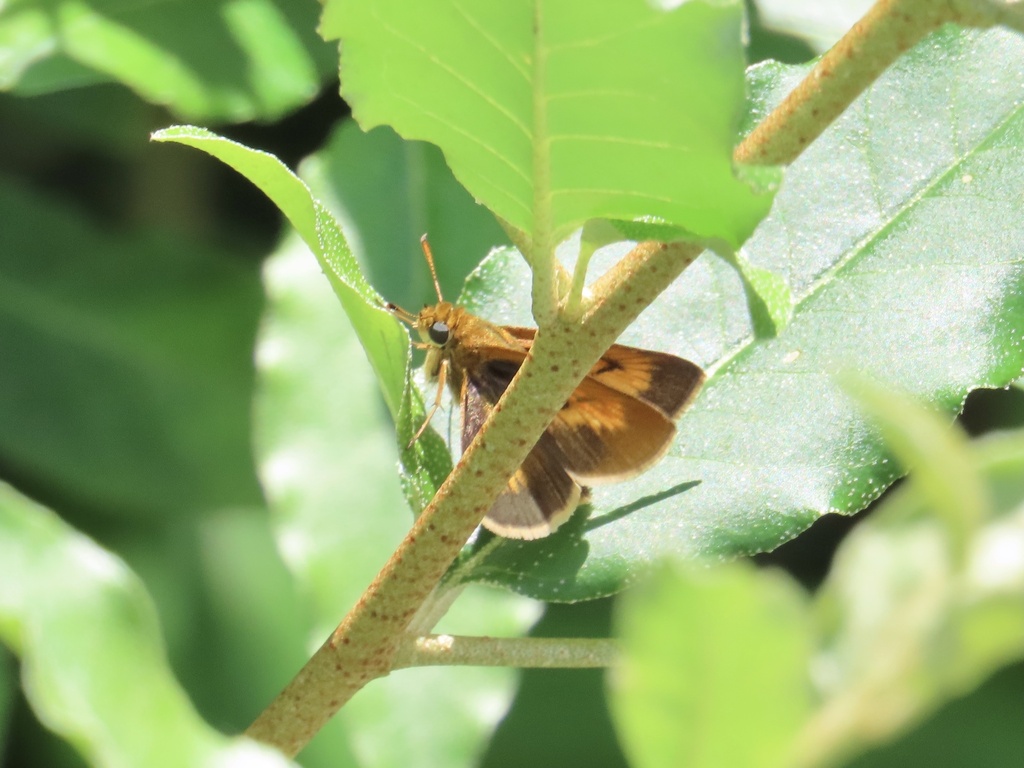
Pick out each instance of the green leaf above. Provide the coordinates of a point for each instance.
(714, 669)
(389, 192)
(897, 233)
(768, 297)
(384, 339)
(127, 369)
(88, 640)
(558, 112)
(234, 60)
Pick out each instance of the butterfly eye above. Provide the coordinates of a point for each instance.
(439, 333)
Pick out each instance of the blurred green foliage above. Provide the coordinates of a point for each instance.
(198, 470)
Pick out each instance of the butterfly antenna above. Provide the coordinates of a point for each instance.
(402, 314)
(430, 263)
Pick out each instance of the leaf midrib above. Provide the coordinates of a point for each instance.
(541, 235)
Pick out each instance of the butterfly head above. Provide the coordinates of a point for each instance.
(436, 325)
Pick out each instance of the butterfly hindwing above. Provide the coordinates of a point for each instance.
(541, 495)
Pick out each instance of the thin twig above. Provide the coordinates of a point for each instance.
(518, 652)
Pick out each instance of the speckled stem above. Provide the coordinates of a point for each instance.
(364, 645)
(520, 652)
(887, 30)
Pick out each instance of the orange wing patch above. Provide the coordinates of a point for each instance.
(607, 436)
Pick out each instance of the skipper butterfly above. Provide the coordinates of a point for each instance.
(617, 423)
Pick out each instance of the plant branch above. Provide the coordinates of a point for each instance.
(520, 652)
(364, 645)
(624, 289)
(889, 29)
(367, 643)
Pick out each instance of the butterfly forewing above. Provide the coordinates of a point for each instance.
(607, 436)
(667, 382)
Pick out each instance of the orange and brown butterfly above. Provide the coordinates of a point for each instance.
(618, 422)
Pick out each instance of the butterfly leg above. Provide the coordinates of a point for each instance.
(442, 376)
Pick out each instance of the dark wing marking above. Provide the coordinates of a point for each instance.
(667, 382)
(483, 388)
